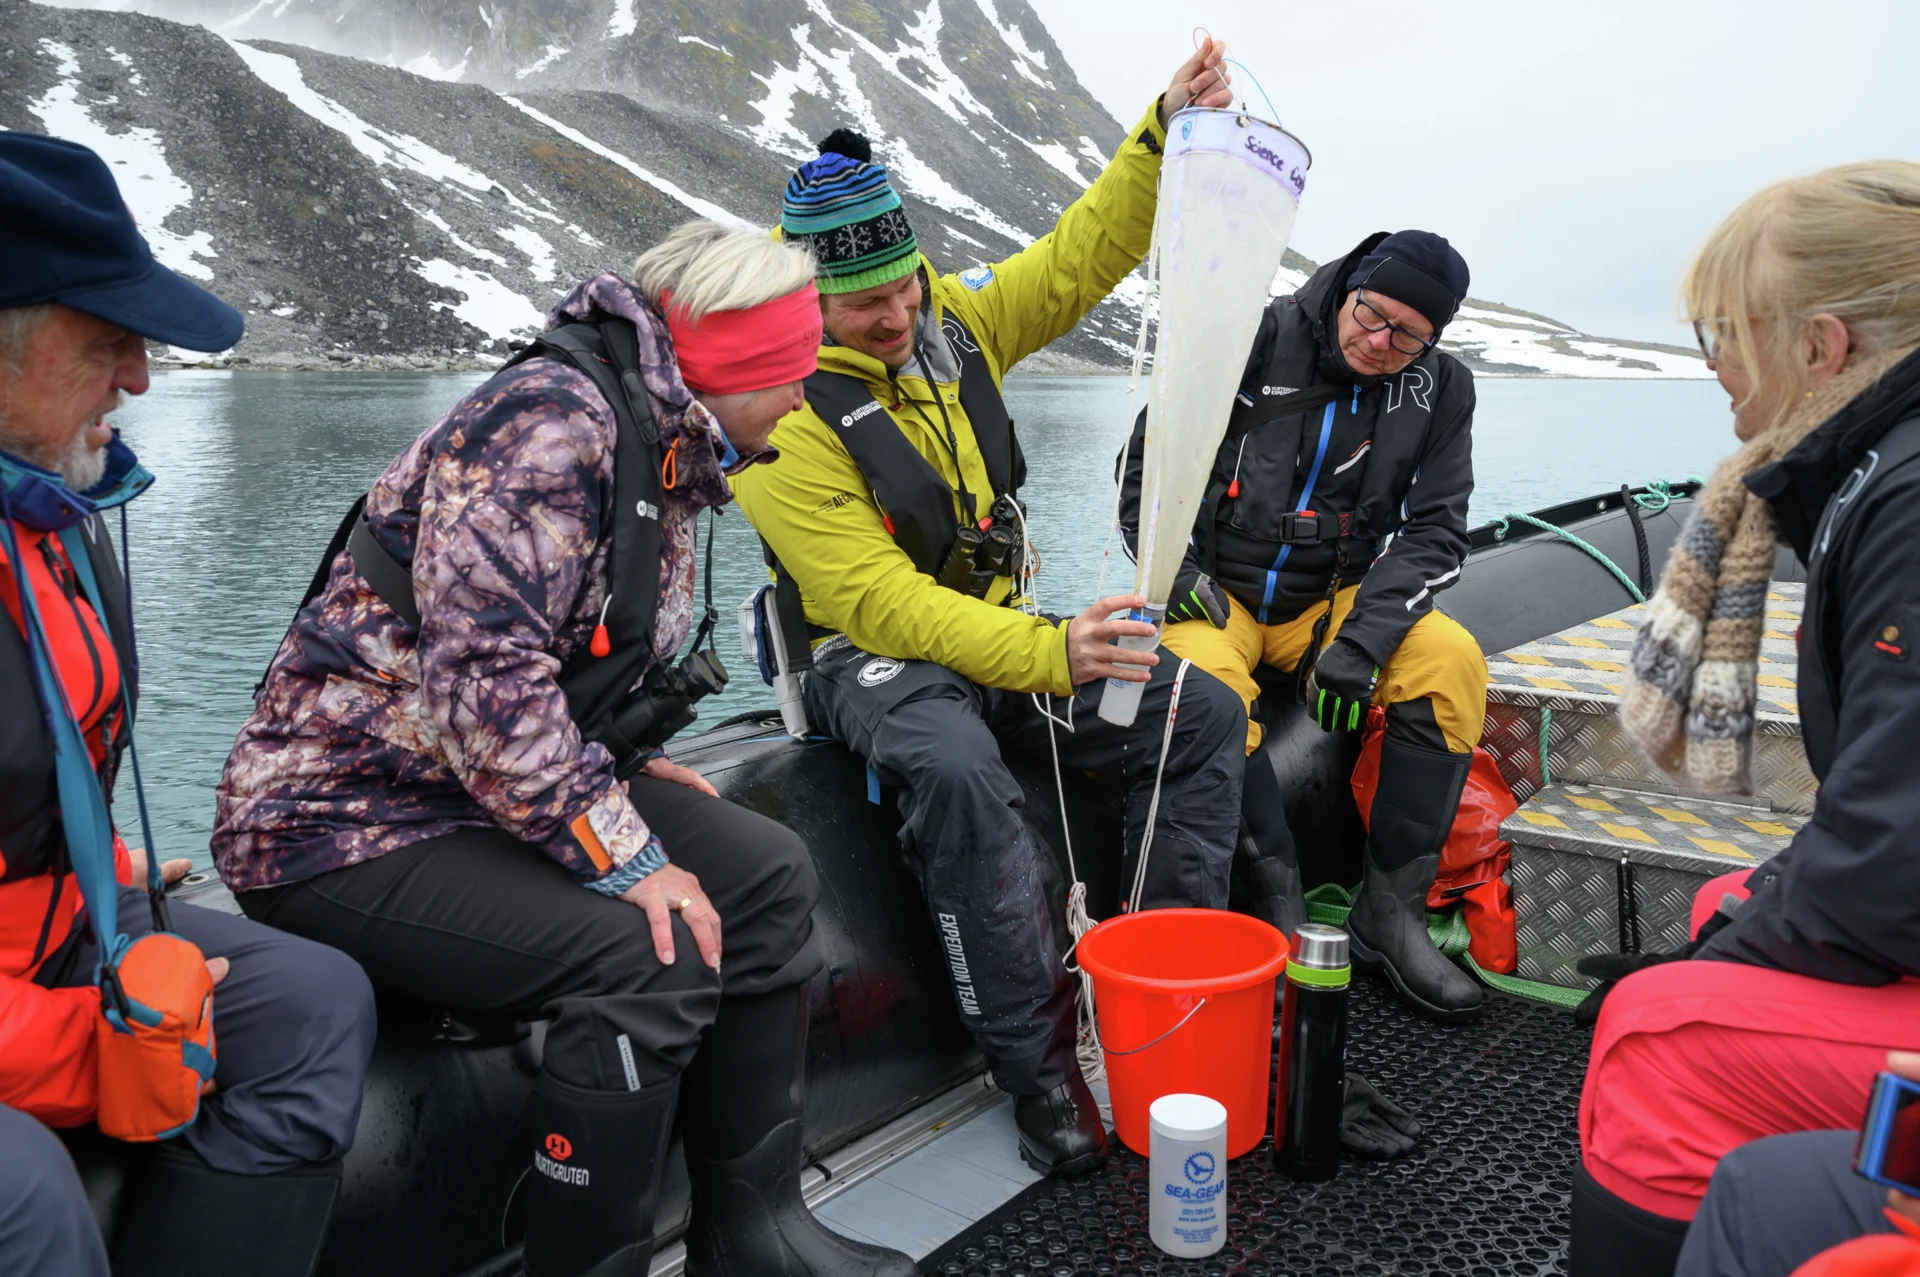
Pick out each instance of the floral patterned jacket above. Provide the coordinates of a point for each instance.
(367, 736)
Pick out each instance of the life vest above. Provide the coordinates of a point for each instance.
(595, 686)
(915, 499)
(93, 655)
(916, 502)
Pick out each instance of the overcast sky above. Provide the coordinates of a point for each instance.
(1576, 154)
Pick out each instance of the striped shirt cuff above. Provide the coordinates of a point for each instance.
(616, 880)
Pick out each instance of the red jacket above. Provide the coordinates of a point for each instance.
(47, 1035)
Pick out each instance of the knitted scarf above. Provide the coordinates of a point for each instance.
(1689, 698)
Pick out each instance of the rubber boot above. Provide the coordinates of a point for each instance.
(595, 1180)
(188, 1220)
(1413, 812)
(1059, 1125)
(1614, 1238)
(745, 1101)
(1268, 859)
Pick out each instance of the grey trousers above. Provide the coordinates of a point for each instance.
(293, 1029)
(45, 1224)
(1776, 1203)
(937, 737)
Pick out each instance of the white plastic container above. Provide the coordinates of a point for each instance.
(1187, 1175)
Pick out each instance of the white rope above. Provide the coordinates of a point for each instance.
(1093, 1064)
(1132, 903)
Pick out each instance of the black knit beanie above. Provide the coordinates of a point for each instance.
(1417, 269)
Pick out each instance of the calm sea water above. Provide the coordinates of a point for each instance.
(255, 470)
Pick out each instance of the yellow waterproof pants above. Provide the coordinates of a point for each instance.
(1438, 659)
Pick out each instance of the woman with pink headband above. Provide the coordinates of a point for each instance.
(449, 774)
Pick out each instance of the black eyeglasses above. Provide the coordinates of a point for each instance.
(1407, 343)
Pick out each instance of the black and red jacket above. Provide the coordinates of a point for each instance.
(47, 1035)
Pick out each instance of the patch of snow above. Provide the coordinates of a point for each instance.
(580, 234)
(694, 39)
(1092, 152)
(196, 358)
(1526, 347)
(235, 23)
(395, 150)
(1021, 67)
(472, 250)
(705, 208)
(429, 66)
(1061, 158)
(546, 60)
(966, 238)
(286, 312)
(624, 21)
(126, 64)
(139, 163)
(485, 16)
(539, 252)
(1012, 37)
(487, 304)
(832, 75)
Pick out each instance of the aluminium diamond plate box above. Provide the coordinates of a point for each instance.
(1570, 682)
(1599, 869)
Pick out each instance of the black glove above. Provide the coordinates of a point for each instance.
(1371, 1125)
(1199, 599)
(1611, 968)
(1341, 687)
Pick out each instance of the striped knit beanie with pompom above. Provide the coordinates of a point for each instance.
(842, 207)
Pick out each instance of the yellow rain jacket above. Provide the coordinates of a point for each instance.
(816, 510)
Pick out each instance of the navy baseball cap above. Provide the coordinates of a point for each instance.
(68, 237)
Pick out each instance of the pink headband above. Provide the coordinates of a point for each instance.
(730, 352)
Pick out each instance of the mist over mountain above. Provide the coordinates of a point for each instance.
(412, 183)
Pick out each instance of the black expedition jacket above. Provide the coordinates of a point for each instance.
(1842, 902)
(1377, 456)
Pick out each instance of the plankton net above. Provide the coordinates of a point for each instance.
(1230, 188)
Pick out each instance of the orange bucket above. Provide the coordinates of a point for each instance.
(1184, 1002)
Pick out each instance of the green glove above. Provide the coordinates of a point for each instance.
(1199, 600)
(1341, 687)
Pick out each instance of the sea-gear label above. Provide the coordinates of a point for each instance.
(977, 278)
(957, 961)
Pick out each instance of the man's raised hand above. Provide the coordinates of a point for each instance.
(1202, 80)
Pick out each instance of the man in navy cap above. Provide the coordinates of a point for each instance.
(1350, 426)
(246, 1182)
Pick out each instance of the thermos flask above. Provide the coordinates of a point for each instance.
(1313, 1047)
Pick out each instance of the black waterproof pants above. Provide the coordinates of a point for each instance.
(938, 738)
(1776, 1203)
(478, 921)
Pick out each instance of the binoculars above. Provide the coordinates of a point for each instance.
(661, 706)
(981, 554)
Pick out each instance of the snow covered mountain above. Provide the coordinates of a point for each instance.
(411, 183)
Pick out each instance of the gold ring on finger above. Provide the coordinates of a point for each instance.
(685, 901)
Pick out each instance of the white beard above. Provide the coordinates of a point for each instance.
(82, 467)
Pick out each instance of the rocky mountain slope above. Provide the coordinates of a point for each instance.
(411, 183)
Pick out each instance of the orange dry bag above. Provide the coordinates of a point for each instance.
(1473, 863)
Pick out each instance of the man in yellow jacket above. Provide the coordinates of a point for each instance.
(892, 516)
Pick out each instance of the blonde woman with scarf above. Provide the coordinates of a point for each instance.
(1807, 304)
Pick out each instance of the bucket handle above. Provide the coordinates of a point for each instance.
(1205, 998)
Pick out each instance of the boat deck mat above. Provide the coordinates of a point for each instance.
(1485, 1194)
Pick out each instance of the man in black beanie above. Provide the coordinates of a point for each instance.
(1350, 426)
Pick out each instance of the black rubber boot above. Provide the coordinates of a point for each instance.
(1413, 812)
(1269, 861)
(1060, 1131)
(595, 1181)
(188, 1220)
(745, 1098)
(1614, 1238)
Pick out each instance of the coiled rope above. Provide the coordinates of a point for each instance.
(1658, 496)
